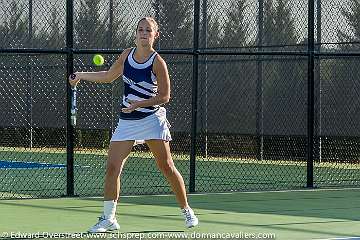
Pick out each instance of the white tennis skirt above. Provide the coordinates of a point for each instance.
(155, 126)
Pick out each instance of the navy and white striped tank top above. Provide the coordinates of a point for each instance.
(139, 84)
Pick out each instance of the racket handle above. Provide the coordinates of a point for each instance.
(73, 106)
(73, 120)
(73, 102)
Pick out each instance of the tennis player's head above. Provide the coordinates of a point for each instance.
(147, 31)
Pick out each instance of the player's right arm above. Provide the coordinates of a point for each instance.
(102, 76)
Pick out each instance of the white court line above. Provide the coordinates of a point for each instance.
(280, 191)
(251, 192)
(344, 238)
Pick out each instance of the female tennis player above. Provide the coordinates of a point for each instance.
(146, 87)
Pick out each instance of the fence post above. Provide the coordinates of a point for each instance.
(157, 17)
(310, 109)
(194, 98)
(69, 69)
(111, 23)
(259, 87)
(30, 24)
(317, 78)
(30, 101)
(203, 85)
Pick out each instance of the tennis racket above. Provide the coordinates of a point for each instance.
(73, 102)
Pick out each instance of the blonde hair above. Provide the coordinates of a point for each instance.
(150, 19)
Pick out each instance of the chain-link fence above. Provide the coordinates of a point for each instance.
(264, 94)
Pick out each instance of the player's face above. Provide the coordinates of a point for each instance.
(146, 33)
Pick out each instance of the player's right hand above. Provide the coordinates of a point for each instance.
(74, 79)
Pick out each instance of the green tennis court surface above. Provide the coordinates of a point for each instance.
(311, 214)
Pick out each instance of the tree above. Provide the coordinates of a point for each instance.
(175, 23)
(341, 88)
(213, 31)
(284, 77)
(352, 16)
(56, 35)
(236, 28)
(279, 26)
(53, 36)
(14, 31)
(119, 35)
(89, 26)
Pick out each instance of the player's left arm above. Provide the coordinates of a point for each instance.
(163, 82)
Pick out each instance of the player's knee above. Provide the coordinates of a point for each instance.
(167, 168)
(113, 167)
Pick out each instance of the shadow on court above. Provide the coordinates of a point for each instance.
(340, 204)
(298, 213)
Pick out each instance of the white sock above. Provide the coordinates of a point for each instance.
(186, 207)
(109, 209)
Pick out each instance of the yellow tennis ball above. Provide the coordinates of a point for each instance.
(98, 60)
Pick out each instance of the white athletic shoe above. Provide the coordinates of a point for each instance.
(190, 219)
(104, 225)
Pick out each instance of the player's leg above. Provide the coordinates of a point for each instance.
(117, 156)
(164, 161)
(118, 153)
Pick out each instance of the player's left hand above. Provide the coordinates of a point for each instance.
(133, 106)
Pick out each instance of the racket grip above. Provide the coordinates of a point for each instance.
(73, 120)
(73, 107)
(73, 76)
